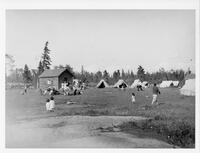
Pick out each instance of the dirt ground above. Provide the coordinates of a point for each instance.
(77, 132)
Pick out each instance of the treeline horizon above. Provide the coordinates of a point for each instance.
(29, 76)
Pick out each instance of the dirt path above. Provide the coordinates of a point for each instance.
(76, 132)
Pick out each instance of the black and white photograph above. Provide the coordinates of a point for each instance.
(104, 78)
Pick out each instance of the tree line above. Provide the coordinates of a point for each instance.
(30, 76)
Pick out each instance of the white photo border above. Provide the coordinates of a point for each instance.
(98, 4)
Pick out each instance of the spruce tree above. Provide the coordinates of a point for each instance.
(106, 75)
(46, 60)
(141, 73)
(123, 74)
(40, 68)
(27, 74)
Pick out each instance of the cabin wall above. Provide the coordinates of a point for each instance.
(44, 83)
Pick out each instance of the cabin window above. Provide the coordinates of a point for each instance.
(49, 82)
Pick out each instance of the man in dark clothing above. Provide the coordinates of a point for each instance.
(156, 92)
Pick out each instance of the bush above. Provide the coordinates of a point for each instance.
(179, 133)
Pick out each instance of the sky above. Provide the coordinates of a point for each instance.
(103, 39)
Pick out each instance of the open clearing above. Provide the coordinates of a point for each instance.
(92, 121)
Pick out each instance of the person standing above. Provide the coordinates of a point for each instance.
(156, 92)
(51, 104)
(48, 105)
(25, 89)
(133, 98)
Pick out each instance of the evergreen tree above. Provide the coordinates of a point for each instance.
(118, 74)
(98, 76)
(123, 74)
(27, 74)
(69, 68)
(106, 75)
(115, 76)
(132, 74)
(82, 70)
(141, 73)
(61, 66)
(46, 60)
(40, 68)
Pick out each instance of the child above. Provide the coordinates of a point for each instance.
(156, 92)
(25, 89)
(47, 105)
(52, 104)
(133, 98)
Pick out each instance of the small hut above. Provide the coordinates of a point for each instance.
(54, 78)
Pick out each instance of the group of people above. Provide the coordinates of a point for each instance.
(155, 92)
(73, 89)
(50, 104)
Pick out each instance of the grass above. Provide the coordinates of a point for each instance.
(178, 133)
(173, 120)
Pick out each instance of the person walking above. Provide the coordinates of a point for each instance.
(156, 92)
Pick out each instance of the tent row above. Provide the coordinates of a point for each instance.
(169, 83)
(122, 84)
(188, 88)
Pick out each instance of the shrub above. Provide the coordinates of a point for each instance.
(179, 133)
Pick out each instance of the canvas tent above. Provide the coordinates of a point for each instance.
(135, 83)
(102, 84)
(165, 84)
(175, 83)
(189, 88)
(187, 77)
(168, 83)
(120, 84)
(145, 84)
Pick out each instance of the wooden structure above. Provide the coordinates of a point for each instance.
(54, 78)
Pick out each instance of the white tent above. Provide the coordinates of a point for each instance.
(135, 83)
(144, 84)
(175, 83)
(165, 84)
(102, 84)
(168, 83)
(120, 83)
(189, 88)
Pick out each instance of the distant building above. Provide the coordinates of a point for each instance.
(54, 78)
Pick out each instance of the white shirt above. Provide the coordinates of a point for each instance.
(52, 104)
(133, 98)
(48, 106)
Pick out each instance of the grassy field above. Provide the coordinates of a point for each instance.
(175, 113)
